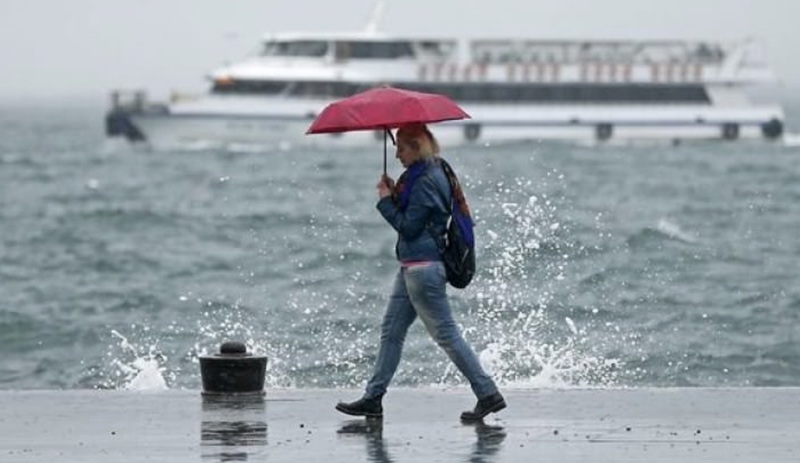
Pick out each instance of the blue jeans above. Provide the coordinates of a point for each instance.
(419, 290)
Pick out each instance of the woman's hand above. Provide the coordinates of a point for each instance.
(385, 186)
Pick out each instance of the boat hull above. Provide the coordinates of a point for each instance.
(493, 126)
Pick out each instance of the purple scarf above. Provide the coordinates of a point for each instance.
(402, 190)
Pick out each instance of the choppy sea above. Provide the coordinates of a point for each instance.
(598, 266)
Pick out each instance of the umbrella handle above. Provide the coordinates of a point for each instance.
(386, 131)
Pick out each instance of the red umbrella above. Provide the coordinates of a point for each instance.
(385, 108)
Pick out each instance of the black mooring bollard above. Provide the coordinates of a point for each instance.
(233, 371)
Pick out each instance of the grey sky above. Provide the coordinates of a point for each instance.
(52, 48)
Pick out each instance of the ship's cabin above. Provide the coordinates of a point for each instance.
(493, 51)
(452, 58)
(358, 48)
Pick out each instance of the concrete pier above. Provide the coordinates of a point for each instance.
(420, 425)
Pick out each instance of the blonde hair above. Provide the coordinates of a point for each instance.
(419, 138)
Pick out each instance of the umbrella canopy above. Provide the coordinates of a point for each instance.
(385, 108)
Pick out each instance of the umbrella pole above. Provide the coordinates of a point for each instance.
(385, 132)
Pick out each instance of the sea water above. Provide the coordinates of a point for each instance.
(598, 266)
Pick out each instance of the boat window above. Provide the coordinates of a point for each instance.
(263, 87)
(373, 50)
(297, 48)
(472, 93)
(324, 89)
(435, 49)
(495, 51)
(500, 93)
(567, 93)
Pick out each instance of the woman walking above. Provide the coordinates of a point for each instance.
(418, 208)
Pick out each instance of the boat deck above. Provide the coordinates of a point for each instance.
(580, 425)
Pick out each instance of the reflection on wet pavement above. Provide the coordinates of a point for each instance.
(487, 445)
(372, 430)
(232, 427)
(490, 440)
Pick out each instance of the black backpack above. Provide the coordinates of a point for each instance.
(458, 245)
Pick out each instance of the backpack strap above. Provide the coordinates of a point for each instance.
(449, 205)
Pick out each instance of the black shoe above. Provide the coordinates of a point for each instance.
(493, 403)
(369, 407)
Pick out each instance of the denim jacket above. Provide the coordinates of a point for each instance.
(426, 207)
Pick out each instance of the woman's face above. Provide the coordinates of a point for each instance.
(407, 153)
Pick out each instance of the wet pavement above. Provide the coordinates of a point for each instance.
(419, 425)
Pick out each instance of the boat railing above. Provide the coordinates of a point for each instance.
(570, 53)
(128, 99)
(133, 101)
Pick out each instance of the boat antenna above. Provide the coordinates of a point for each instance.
(375, 17)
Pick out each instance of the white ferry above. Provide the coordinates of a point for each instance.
(516, 90)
